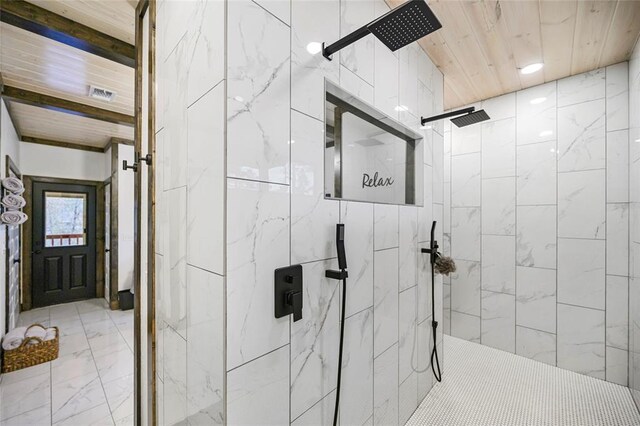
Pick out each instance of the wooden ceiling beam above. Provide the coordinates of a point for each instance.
(62, 105)
(60, 144)
(40, 21)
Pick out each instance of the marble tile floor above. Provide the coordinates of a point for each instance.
(483, 386)
(91, 382)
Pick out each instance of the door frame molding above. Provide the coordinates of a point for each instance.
(27, 235)
(11, 167)
(144, 8)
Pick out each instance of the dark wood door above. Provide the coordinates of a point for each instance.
(64, 243)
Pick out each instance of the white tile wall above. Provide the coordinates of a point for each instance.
(242, 194)
(539, 205)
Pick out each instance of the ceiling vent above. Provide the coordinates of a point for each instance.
(102, 94)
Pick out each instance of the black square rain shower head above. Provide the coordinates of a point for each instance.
(405, 24)
(471, 118)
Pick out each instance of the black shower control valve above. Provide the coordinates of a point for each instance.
(294, 299)
(288, 292)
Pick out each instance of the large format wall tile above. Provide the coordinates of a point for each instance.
(315, 339)
(581, 88)
(581, 136)
(498, 321)
(465, 140)
(617, 366)
(537, 174)
(408, 77)
(499, 148)
(465, 233)
(258, 94)
(312, 22)
(581, 276)
(385, 308)
(438, 168)
(205, 347)
(386, 66)
(358, 235)
(618, 239)
(386, 226)
(356, 396)
(618, 166)
(581, 338)
(176, 284)
(617, 312)
(499, 264)
(407, 345)
(206, 182)
(408, 251)
(581, 204)
(617, 80)
(536, 118)
(175, 377)
(359, 57)
(464, 326)
(385, 388)
(258, 392)
(501, 107)
(465, 288)
(536, 299)
(257, 223)
(536, 236)
(536, 345)
(499, 206)
(313, 218)
(465, 180)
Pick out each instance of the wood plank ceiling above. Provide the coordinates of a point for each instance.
(39, 64)
(483, 43)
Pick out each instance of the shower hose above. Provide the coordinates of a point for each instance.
(344, 300)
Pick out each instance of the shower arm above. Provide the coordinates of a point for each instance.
(345, 41)
(424, 121)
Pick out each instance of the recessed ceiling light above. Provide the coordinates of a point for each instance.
(314, 47)
(545, 133)
(531, 68)
(537, 101)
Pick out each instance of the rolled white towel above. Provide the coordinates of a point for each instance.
(13, 218)
(36, 331)
(13, 184)
(51, 334)
(13, 202)
(14, 338)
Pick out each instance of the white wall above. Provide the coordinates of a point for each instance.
(125, 219)
(52, 161)
(8, 146)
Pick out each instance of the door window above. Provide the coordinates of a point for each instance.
(65, 219)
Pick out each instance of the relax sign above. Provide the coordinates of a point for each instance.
(375, 181)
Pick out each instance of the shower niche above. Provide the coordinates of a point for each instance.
(369, 156)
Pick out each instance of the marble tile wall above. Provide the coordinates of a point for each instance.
(284, 371)
(190, 203)
(539, 224)
(634, 234)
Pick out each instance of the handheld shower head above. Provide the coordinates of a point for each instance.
(405, 24)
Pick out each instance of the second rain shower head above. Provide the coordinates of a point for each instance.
(468, 116)
(403, 25)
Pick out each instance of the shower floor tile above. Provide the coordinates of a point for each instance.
(483, 386)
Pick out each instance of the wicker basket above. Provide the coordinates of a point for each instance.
(27, 355)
